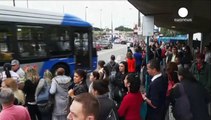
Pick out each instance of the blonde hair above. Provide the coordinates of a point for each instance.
(12, 84)
(48, 76)
(32, 74)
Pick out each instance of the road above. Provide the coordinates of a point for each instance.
(118, 50)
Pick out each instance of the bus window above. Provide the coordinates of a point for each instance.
(61, 41)
(30, 41)
(5, 44)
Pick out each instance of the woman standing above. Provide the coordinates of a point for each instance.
(44, 82)
(131, 103)
(119, 89)
(80, 83)
(32, 79)
(19, 95)
(59, 88)
(131, 63)
(93, 76)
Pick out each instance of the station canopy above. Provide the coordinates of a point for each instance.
(165, 13)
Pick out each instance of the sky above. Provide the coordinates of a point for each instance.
(100, 13)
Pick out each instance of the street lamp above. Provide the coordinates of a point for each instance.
(86, 13)
(101, 18)
(139, 19)
(14, 3)
(112, 32)
(27, 3)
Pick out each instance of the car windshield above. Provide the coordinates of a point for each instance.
(104, 41)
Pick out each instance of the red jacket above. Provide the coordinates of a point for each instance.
(131, 63)
(131, 106)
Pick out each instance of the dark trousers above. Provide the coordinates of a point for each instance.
(34, 112)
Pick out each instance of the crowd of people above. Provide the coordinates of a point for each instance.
(179, 82)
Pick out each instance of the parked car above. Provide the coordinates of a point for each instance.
(117, 41)
(123, 41)
(97, 46)
(106, 44)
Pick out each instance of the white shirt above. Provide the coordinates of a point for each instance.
(156, 76)
(208, 57)
(173, 58)
(14, 76)
(21, 73)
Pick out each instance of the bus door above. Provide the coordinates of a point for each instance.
(81, 50)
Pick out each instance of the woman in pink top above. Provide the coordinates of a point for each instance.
(131, 103)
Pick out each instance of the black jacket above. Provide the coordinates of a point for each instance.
(157, 95)
(198, 99)
(106, 105)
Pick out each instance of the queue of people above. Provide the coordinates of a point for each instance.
(115, 92)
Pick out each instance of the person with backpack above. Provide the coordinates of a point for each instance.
(108, 110)
(43, 87)
(112, 66)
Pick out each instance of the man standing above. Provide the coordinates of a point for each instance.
(16, 68)
(113, 67)
(157, 92)
(84, 109)
(11, 111)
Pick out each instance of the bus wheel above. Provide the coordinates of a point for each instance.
(66, 68)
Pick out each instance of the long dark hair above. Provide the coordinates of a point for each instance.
(81, 73)
(134, 81)
(125, 64)
(7, 67)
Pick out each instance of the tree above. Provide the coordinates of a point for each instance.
(97, 29)
(169, 32)
(122, 28)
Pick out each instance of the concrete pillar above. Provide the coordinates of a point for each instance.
(206, 37)
(202, 43)
(190, 41)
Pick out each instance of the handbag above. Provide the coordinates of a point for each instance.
(47, 107)
(43, 95)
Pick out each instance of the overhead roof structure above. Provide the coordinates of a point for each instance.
(165, 14)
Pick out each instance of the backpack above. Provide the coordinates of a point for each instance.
(113, 68)
(112, 115)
